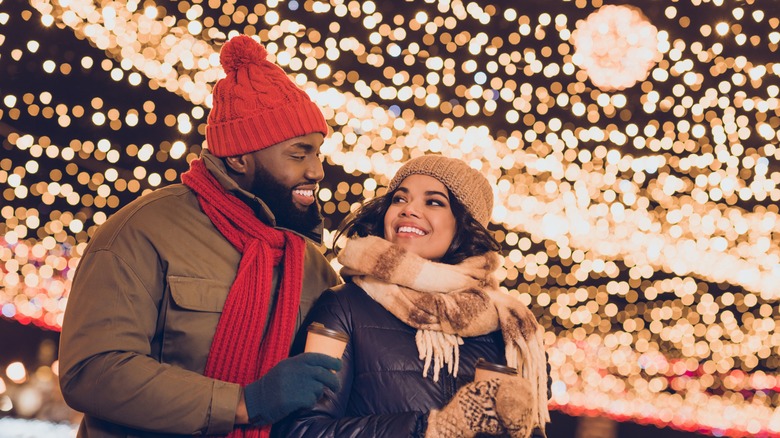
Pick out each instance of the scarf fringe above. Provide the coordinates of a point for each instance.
(442, 348)
(533, 369)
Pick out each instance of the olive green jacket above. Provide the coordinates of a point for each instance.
(143, 310)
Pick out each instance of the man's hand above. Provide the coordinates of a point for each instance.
(294, 383)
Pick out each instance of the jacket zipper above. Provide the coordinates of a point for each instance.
(448, 382)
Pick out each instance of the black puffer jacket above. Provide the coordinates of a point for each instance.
(383, 392)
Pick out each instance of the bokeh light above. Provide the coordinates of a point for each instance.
(617, 46)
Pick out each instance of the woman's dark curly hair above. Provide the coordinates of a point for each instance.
(471, 238)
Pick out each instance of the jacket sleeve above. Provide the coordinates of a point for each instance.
(327, 418)
(106, 344)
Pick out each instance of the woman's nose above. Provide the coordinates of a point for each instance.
(409, 210)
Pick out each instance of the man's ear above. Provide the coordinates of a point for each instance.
(238, 164)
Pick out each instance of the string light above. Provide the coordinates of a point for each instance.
(637, 209)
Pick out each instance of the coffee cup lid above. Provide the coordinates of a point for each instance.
(490, 366)
(320, 329)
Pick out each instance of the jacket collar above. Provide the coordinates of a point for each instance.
(216, 166)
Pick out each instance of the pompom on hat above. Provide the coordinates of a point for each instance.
(256, 105)
(468, 185)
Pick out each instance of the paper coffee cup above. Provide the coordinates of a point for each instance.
(487, 370)
(321, 339)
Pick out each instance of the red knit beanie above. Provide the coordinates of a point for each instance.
(256, 105)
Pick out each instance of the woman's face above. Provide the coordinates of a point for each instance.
(419, 218)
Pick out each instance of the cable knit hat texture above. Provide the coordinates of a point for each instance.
(467, 184)
(256, 105)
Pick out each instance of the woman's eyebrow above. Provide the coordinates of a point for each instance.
(427, 193)
(436, 192)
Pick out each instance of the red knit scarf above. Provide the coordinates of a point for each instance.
(239, 353)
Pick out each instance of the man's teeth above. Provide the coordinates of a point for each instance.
(411, 230)
(304, 192)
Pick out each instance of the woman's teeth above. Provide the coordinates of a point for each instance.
(411, 230)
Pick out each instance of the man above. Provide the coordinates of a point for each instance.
(184, 305)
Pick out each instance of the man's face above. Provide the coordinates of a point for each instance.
(286, 177)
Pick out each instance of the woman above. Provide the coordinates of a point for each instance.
(421, 305)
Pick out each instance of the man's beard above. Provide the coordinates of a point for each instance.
(278, 198)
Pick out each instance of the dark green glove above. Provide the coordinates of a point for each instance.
(294, 383)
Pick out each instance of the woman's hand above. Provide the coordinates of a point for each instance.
(470, 412)
(514, 405)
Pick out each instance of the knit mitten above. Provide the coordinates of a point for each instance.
(470, 412)
(514, 406)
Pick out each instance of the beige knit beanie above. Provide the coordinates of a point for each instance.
(467, 184)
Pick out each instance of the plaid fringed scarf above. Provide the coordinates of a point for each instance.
(239, 353)
(446, 302)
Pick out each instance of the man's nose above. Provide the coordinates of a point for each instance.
(315, 171)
